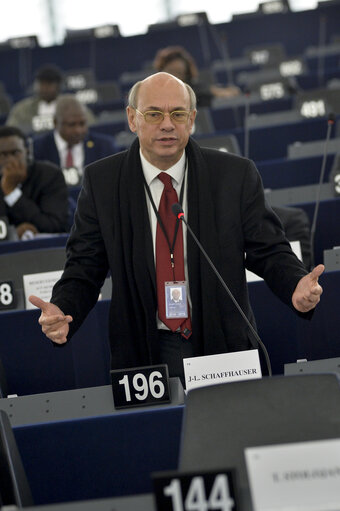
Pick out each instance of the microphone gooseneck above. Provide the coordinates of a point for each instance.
(178, 212)
(330, 122)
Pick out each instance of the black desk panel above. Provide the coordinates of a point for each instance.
(284, 173)
(34, 365)
(99, 457)
(288, 337)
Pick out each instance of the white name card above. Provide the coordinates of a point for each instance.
(302, 476)
(221, 368)
(40, 284)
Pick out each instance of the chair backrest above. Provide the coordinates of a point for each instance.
(220, 421)
(14, 487)
(3, 382)
(227, 143)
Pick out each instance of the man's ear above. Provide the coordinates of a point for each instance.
(29, 150)
(131, 116)
(192, 120)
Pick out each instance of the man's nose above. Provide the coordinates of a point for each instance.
(7, 158)
(167, 122)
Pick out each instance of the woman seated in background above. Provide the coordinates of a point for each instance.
(178, 62)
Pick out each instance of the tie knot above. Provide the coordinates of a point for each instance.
(166, 180)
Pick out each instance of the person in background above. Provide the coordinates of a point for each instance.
(178, 62)
(124, 224)
(71, 146)
(36, 113)
(33, 194)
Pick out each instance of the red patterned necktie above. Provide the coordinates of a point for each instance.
(69, 158)
(165, 271)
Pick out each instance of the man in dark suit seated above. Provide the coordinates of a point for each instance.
(33, 194)
(35, 113)
(124, 224)
(71, 146)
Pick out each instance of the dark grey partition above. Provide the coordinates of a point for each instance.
(74, 404)
(326, 365)
(143, 502)
(14, 265)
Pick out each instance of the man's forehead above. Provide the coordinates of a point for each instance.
(11, 142)
(163, 91)
(73, 116)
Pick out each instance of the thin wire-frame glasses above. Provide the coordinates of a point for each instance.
(156, 116)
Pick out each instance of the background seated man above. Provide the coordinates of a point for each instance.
(36, 113)
(70, 145)
(33, 194)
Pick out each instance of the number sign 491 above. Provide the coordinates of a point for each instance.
(140, 386)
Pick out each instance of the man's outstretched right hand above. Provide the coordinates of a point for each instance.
(53, 321)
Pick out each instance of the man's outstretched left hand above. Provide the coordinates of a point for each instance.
(308, 291)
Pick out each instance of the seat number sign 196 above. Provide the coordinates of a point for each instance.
(140, 386)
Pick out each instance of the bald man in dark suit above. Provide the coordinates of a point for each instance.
(116, 229)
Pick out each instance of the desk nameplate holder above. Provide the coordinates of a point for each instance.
(14, 266)
(331, 259)
(326, 365)
(143, 502)
(74, 404)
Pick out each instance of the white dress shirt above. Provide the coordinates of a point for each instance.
(156, 188)
(77, 153)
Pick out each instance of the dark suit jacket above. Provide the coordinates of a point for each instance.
(228, 213)
(96, 146)
(44, 200)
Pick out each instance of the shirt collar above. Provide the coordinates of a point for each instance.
(61, 144)
(151, 172)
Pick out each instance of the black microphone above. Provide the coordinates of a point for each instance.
(179, 213)
(330, 122)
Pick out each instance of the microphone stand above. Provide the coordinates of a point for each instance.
(330, 123)
(180, 215)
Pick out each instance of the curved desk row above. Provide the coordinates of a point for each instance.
(34, 365)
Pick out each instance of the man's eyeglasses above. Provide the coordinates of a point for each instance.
(13, 152)
(156, 116)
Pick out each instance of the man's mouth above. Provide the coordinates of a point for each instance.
(167, 139)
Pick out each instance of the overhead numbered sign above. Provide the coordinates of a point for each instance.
(3, 228)
(140, 386)
(7, 295)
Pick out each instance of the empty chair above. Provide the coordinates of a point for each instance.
(220, 421)
(3, 382)
(227, 143)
